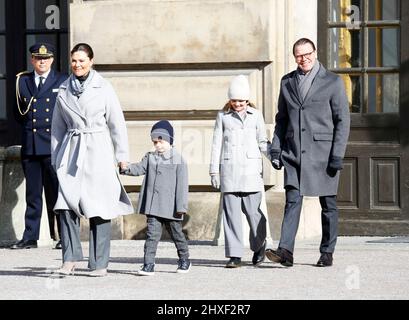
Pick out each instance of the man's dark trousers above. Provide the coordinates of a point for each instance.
(329, 221)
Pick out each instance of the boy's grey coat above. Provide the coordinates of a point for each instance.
(88, 139)
(236, 151)
(165, 187)
(308, 134)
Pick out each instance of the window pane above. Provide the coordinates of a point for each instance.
(353, 91)
(383, 93)
(46, 14)
(49, 38)
(64, 53)
(384, 10)
(345, 48)
(2, 10)
(2, 99)
(2, 55)
(383, 47)
(345, 10)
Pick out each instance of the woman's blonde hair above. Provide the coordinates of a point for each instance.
(227, 106)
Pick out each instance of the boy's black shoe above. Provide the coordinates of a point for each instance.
(325, 260)
(281, 255)
(258, 256)
(147, 270)
(234, 262)
(183, 266)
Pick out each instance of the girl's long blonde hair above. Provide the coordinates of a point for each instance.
(227, 106)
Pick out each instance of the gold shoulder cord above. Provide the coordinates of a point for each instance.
(18, 97)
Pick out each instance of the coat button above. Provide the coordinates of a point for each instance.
(47, 110)
(25, 99)
(302, 108)
(34, 130)
(159, 172)
(34, 110)
(34, 120)
(48, 100)
(46, 120)
(48, 130)
(35, 100)
(303, 151)
(302, 129)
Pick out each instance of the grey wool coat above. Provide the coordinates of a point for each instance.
(308, 133)
(165, 187)
(88, 139)
(237, 151)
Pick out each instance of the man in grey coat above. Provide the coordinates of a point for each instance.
(310, 138)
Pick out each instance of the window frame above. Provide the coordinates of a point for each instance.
(363, 118)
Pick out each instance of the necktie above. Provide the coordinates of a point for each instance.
(40, 84)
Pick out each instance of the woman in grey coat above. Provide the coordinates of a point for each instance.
(236, 167)
(88, 141)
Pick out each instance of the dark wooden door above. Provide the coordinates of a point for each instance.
(373, 195)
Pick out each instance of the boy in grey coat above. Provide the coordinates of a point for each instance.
(163, 197)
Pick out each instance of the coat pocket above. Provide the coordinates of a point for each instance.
(253, 154)
(323, 137)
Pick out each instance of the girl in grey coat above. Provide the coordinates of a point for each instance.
(239, 139)
(88, 141)
(163, 197)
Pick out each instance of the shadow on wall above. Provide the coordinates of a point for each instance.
(11, 206)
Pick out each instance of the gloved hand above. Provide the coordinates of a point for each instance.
(275, 160)
(335, 163)
(215, 180)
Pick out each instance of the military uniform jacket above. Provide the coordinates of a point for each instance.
(36, 123)
(308, 133)
(165, 187)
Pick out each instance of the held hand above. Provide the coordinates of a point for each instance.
(123, 167)
(276, 164)
(275, 160)
(215, 180)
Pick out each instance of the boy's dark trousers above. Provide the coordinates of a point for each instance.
(154, 234)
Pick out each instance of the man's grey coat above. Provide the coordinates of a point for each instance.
(165, 187)
(308, 133)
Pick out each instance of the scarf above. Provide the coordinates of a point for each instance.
(305, 80)
(77, 87)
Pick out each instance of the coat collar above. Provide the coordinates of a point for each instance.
(316, 84)
(77, 105)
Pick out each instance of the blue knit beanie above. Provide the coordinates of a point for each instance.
(162, 130)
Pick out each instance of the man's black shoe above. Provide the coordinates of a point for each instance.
(234, 262)
(24, 244)
(325, 260)
(281, 255)
(58, 245)
(258, 256)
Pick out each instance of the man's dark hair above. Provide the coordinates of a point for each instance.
(301, 42)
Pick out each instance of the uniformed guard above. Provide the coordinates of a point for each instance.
(36, 92)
